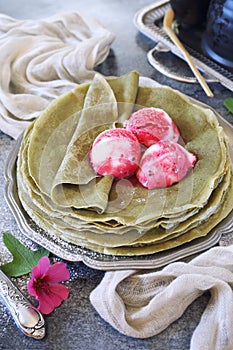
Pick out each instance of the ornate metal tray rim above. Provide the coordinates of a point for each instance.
(71, 252)
(145, 20)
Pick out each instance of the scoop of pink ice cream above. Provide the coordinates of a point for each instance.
(115, 152)
(164, 164)
(150, 125)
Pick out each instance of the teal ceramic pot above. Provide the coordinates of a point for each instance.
(190, 14)
(217, 41)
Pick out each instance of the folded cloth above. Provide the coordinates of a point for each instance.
(43, 59)
(141, 304)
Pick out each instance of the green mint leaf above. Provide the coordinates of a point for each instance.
(228, 103)
(24, 259)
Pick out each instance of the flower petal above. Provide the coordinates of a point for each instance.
(42, 267)
(59, 292)
(31, 289)
(53, 297)
(46, 305)
(57, 272)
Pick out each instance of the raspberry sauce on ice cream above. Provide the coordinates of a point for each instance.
(150, 125)
(163, 164)
(115, 152)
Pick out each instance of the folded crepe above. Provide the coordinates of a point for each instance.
(61, 192)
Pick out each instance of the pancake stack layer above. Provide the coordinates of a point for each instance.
(61, 192)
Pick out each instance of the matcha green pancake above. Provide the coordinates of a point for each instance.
(60, 190)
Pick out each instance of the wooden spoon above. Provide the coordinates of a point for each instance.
(167, 24)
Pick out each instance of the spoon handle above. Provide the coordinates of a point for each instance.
(167, 24)
(26, 316)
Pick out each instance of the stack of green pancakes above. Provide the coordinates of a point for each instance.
(60, 191)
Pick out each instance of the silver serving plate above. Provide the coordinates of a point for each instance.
(147, 21)
(221, 233)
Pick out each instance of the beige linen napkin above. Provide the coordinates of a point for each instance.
(42, 59)
(141, 304)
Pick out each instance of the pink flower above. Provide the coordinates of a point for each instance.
(45, 287)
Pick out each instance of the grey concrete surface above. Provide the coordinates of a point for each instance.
(76, 325)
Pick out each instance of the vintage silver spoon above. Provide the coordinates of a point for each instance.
(26, 316)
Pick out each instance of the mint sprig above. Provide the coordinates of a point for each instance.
(228, 103)
(24, 259)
